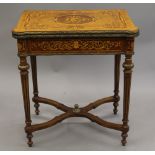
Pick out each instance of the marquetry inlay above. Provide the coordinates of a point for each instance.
(74, 46)
(75, 32)
(75, 20)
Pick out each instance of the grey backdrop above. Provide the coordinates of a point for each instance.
(78, 79)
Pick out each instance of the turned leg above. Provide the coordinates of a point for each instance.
(127, 65)
(116, 82)
(23, 67)
(35, 83)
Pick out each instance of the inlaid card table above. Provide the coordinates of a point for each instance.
(75, 32)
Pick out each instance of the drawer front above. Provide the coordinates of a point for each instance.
(74, 46)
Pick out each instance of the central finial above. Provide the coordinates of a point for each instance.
(76, 108)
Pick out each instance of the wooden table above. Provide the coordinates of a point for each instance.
(75, 32)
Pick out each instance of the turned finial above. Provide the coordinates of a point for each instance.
(76, 108)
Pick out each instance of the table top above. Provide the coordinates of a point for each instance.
(75, 23)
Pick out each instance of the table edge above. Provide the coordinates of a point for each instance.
(85, 34)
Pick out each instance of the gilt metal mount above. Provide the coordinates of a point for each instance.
(76, 108)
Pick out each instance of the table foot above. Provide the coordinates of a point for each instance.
(115, 110)
(29, 137)
(36, 105)
(124, 141)
(115, 104)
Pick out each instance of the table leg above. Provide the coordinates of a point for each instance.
(23, 67)
(127, 65)
(116, 82)
(35, 82)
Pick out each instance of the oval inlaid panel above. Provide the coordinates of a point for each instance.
(74, 19)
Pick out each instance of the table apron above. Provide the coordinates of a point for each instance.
(99, 46)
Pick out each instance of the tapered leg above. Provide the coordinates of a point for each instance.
(35, 82)
(23, 67)
(128, 65)
(116, 82)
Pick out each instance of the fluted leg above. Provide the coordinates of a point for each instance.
(35, 82)
(116, 82)
(23, 67)
(128, 65)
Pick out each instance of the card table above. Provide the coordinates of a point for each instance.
(75, 32)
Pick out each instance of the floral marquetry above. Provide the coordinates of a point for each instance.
(74, 46)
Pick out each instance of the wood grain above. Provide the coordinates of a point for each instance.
(47, 22)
